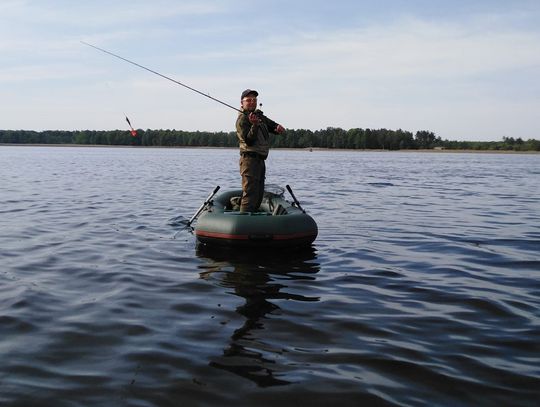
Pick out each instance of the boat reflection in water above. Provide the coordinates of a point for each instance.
(259, 278)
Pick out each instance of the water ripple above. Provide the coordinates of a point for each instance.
(422, 287)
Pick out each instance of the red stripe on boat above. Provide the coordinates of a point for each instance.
(217, 235)
(221, 235)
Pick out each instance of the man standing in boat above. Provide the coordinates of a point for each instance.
(253, 129)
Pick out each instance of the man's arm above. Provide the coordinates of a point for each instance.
(246, 130)
(273, 127)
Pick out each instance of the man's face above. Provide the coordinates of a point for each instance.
(249, 103)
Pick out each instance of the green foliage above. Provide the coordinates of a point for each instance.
(331, 137)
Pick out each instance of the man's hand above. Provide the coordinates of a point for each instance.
(280, 129)
(253, 118)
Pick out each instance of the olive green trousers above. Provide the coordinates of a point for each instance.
(253, 172)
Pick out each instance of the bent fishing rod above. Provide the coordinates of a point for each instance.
(163, 76)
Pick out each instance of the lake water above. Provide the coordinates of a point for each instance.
(422, 288)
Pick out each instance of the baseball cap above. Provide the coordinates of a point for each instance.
(249, 92)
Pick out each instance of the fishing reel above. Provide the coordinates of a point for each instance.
(258, 112)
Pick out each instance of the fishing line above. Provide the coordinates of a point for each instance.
(163, 76)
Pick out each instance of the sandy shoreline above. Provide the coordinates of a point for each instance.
(439, 151)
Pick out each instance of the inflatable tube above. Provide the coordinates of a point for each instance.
(278, 223)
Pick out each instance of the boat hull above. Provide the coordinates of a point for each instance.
(279, 224)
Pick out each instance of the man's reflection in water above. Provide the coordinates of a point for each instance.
(254, 277)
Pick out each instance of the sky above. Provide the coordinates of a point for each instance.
(465, 70)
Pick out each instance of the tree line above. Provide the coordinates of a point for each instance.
(331, 137)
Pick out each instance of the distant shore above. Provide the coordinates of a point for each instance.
(439, 151)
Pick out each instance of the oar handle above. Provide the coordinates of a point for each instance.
(206, 202)
(294, 198)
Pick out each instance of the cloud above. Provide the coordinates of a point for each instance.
(408, 72)
(100, 13)
(412, 48)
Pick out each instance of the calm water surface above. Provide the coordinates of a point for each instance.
(422, 288)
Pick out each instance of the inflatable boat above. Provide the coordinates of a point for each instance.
(277, 224)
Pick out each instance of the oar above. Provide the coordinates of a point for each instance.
(294, 198)
(203, 206)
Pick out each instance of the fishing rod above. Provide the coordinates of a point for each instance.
(163, 76)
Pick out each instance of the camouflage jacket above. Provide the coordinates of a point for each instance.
(255, 137)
